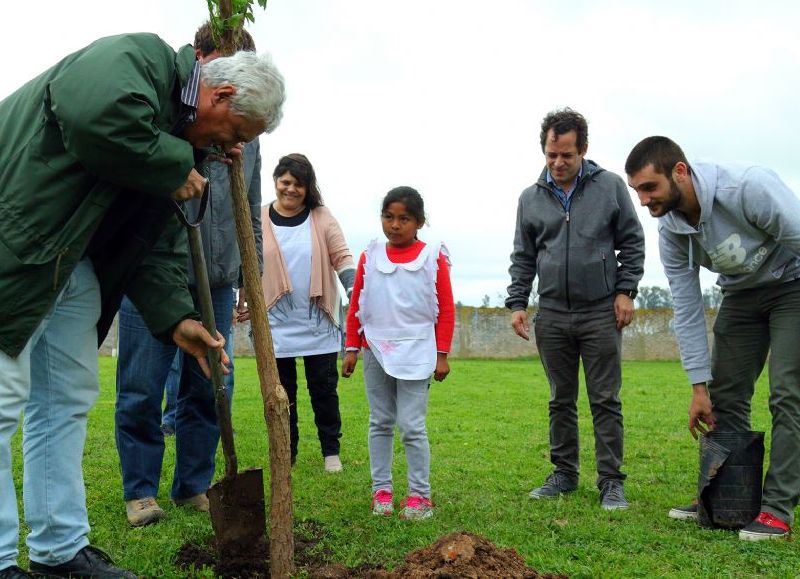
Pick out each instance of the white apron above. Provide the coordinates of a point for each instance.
(398, 309)
(299, 327)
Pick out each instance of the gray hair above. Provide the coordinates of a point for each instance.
(259, 85)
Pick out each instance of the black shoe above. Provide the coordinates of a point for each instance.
(556, 484)
(766, 526)
(14, 572)
(687, 513)
(89, 562)
(612, 496)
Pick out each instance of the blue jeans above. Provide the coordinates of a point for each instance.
(171, 391)
(142, 370)
(54, 381)
(174, 379)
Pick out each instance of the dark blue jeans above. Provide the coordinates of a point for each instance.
(142, 370)
(171, 391)
(173, 382)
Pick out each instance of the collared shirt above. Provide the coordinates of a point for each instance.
(190, 96)
(564, 196)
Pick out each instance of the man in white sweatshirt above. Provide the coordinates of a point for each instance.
(744, 224)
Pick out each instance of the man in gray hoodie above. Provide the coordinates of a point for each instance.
(744, 224)
(578, 231)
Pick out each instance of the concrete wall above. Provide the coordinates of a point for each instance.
(486, 333)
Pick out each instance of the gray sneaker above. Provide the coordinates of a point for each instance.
(612, 496)
(555, 484)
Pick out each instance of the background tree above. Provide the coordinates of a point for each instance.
(653, 297)
(712, 297)
(533, 299)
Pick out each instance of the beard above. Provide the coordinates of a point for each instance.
(670, 203)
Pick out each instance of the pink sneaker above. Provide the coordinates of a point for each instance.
(416, 508)
(382, 503)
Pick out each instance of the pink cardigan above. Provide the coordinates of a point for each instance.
(329, 256)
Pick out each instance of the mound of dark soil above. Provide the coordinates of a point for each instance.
(465, 556)
(454, 556)
(255, 565)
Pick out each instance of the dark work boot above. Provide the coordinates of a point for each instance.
(89, 562)
(14, 572)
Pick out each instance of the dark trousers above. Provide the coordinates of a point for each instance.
(564, 339)
(322, 377)
(750, 324)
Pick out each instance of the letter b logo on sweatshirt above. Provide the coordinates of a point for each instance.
(729, 254)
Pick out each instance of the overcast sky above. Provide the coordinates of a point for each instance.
(447, 96)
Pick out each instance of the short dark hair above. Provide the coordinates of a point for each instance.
(563, 121)
(661, 152)
(204, 40)
(409, 197)
(299, 167)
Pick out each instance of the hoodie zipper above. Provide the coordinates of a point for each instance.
(566, 220)
(566, 259)
(586, 175)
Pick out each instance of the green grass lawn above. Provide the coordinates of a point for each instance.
(488, 429)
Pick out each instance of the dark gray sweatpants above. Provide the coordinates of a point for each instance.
(564, 339)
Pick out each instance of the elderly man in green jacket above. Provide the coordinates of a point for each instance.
(94, 151)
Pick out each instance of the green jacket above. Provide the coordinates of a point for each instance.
(86, 157)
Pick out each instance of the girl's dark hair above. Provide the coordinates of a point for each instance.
(301, 169)
(409, 197)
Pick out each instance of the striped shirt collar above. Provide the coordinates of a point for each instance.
(190, 93)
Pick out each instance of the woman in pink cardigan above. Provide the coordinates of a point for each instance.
(304, 251)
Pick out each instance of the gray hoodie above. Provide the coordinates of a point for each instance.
(218, 229)
(749, 233)
(582, 256)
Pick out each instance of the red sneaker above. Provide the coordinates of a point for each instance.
(415, 508)
(382, 503)
(766, 526)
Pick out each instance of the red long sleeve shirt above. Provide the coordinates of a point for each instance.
(445, 323)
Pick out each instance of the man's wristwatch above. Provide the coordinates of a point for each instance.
(630, 293)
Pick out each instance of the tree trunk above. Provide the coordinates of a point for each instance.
(276, 402)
